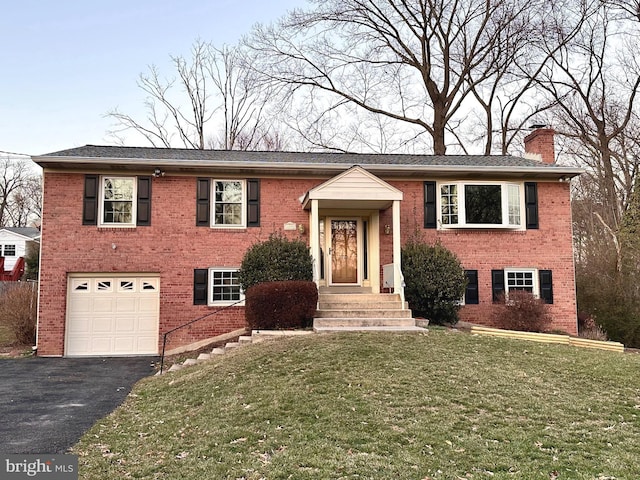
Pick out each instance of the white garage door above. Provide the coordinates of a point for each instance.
(112, 315)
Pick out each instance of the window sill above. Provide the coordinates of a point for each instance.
(115, 226)
(227, 304)
(482, 227)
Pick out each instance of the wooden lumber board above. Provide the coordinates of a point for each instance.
(549, 338)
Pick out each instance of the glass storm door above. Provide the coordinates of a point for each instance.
(344, 252)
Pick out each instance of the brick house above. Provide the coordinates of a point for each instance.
(137, 241)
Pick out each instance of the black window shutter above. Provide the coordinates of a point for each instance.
(471, 291)
(531, 204)
(90, 203)
(203, 202)
(200, 283)
(546, 286)
(497, 284)
(143, 212)
(253, 202)
(430, 204)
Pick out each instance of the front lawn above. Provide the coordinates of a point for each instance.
(440, 405)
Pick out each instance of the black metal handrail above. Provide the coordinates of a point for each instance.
(164, 337)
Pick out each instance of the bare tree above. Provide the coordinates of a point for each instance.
(213, 101)
(534, 35)
(413, 62)
(593, 83)
(20, 193)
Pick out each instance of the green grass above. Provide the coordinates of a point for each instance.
(440, 405)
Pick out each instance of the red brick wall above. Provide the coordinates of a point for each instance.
(173, 247)
(547, 248)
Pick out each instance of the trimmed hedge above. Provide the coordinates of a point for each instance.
(281, 305)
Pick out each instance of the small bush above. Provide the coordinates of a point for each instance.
(281, 305)
(277, 259)
(522, 311)
(435, 281)
(18, 310)
(32, 261)
(588, 328)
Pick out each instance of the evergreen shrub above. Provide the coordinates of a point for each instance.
(276, 259)
(435, 281)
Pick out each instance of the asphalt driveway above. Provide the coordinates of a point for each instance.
(46, 404)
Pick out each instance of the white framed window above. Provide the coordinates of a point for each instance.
(480, 205)
(224, 287)
(117, 201)
(522, 279)
(229, 203)
(9, 250)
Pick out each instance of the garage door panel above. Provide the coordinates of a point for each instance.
(102, 325)
(103, 304)
(126, 324)
(124, 344)
(147, 344)
(81, 304)
(101, 345)
(113, 316)
(147, 324)
(127, 304)
(82, 325)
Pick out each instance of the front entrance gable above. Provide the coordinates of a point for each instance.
(356, 186)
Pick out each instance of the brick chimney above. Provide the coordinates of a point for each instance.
(540, 142)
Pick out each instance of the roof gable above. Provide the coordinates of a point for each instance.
(354, 184)
(20, 233)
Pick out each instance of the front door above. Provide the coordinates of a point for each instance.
(344, 251)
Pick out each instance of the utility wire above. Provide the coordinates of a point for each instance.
(14, 153)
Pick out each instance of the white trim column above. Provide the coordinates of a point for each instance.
(314, 240)
(397, 275)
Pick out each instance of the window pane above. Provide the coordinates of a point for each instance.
(483, 204)
(9, 250)
(118, 189)
(520, 281)
(118, 212)
(449, 204)
(228, 203)
(225, 286)
(228, 191)
(514, 204)
(228, 214)
(118, 200)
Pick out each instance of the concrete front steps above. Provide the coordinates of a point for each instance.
(255, 337)
(342, 310)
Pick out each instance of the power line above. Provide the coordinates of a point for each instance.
(15, 154)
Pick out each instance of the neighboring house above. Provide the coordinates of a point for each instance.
(14, 244)
(138, 241)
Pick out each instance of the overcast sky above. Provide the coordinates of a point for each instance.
(65, 63)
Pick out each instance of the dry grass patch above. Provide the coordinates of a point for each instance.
(439, 406)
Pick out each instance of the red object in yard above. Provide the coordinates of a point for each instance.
(13, 275)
